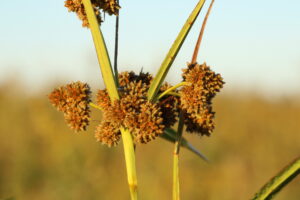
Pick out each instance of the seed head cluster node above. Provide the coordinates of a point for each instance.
(106, 6)
(196, 97)
(133, 111)
(73, 100)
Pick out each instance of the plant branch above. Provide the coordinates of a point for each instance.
(116, 50)
(171, 89)
(197, 47)
(169, 59)
(110, 83)
(176, 186)
(279, 181)
(95, 106)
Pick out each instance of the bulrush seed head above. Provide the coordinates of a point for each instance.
(133, 111)
(169, 107)
(73, 100)
(107, 6)
(196, 97)
(149, 123)
(107, 133)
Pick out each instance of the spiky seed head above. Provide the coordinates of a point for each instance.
(149, 123)
(196, 97)
(73, 100)
(107, 133)
(107, 6)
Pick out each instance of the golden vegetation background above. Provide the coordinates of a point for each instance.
(40, 158)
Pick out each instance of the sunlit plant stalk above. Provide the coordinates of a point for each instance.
(279, 181)
(169, 59)
(176, 186)
(109, 80)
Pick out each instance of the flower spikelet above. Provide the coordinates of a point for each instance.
(169, 107)
(149, 123)
(144, 119)
(73, 100)
(107, 6)
(107, 133)
(197, 96)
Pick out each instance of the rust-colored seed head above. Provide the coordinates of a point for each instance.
(103, 99)
(196, 97)
(107, 6)
(107, 133)
(149, 123)
(169, 107)
(73, 100)
(134, 112)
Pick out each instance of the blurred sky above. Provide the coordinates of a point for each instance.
(254, 44)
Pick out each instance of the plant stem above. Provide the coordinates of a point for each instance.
(95, 106)
(279, 181)
(102, 53)
(109, 80)
(176, 186)
(171, 89)
(116, 49)
(130, 162)
(197, 47)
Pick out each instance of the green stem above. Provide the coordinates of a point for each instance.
(109, 80)
(102, 53)
(130, 162)
(279, 181)
(197, 47)
(176, 186)
(174, 94)
(95, 106)
(171, 89)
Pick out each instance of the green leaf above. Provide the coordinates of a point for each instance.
(170, 135)
(102, 53)
(168, 61)
(279, 181)
(109, 80)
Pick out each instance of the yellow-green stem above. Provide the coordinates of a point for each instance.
(102, 53)
(279, 181)
(130, 162)
(109, 80)
(171, 89)
(176, 185)
(95, 106)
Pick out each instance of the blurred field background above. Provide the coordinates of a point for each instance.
(40, 158)
(253, 44)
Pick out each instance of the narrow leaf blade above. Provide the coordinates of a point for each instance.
(168, 61)
(102, 53)
(170, 135)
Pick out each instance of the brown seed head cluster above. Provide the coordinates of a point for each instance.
(195, 100)
(106, 6)
(144, 119)
(73, 100)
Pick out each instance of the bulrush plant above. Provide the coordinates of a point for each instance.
(140, 107)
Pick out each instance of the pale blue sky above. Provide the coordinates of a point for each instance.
(254, 44)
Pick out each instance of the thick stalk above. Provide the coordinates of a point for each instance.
(130, 162)
(176, 185)
(109, 80)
